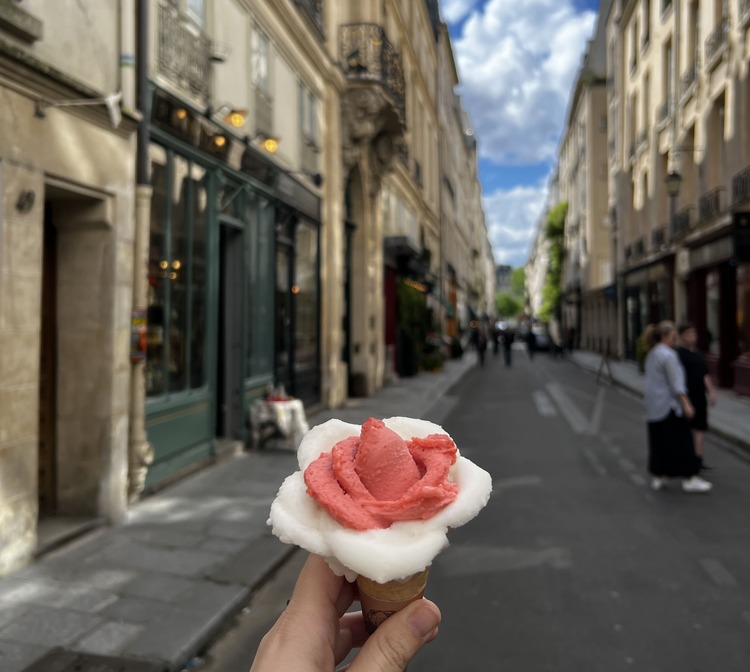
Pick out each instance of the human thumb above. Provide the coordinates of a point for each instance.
(398, 638)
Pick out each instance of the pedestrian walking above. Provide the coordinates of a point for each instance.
(481, 340)
(700, 387)
(496, 335)
(508, 338)
(670, 442)
(531, 343)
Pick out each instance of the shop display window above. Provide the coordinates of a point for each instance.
(176, 360)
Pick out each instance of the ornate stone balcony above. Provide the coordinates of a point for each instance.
(374, 103)
(183, 52)
(366, 55)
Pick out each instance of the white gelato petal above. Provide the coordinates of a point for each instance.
(408, 428)
(323, 438)
(474, 489)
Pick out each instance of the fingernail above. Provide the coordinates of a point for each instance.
(424, 619)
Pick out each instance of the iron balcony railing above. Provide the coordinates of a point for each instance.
(688, 79)
(716, 42)
(366, 55)
(314, 11)
(709, 205)
(658, 239)
(184, 52)
(681, 224)
(741, 187)
(641, 139)
(663, 114)
(639, 248)
(628, 252)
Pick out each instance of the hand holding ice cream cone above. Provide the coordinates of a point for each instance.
(376, 502)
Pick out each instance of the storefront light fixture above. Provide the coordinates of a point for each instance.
(220, 141)
(673, 180)
(270, 144)
(230, 115)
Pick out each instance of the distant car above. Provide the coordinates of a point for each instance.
(542, 337)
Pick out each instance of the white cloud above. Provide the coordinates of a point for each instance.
(517, 61)
(512, 217)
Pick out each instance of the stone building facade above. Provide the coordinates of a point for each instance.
(206, 199)
(66, 266)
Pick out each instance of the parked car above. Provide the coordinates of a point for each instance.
(542, 337)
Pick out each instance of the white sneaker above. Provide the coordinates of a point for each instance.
(696, 484)
(658, 483)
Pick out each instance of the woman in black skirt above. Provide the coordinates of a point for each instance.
(668, 410)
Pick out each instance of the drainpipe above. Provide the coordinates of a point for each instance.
(140, 451)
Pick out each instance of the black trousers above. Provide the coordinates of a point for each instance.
(671, 451)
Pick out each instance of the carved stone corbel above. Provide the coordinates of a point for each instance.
(371, 127)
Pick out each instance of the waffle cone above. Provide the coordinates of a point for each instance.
(381, 600)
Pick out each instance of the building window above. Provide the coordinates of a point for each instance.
(308, 116)
(177, 274)
(260, 59)
(196, 9)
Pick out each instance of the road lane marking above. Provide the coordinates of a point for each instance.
(626, 464)
(570, 411)
(543, 404)
(596, 417)
(718, 573)
(638, 479)
(593, 460)
(515, 482)
(473, 559)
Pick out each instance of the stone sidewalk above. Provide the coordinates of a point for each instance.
(151, 593)
(729, 419)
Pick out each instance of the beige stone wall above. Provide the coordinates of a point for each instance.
(74, 161)
(20, 292)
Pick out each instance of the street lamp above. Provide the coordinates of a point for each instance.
(672, 181)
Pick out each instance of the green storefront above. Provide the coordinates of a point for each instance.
(215, 285)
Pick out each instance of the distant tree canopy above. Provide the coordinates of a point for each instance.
(508, 305)
(554, 232)
(518, 281)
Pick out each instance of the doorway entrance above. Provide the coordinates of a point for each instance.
(229, 420)
(48, 371)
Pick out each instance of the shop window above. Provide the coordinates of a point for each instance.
(712, 312)
(177, 278)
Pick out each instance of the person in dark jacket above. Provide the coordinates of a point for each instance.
(700, 387)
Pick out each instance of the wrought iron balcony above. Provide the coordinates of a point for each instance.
(688, 80)
(641, 140)
(741, 187)
(639, 247)
(716, 42)
(658, 239)
(366, 55)
(663, 114)
(184, 52)
(709, 205)
(314, 11)
(681, 224)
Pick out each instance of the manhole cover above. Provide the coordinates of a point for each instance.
(70, 661)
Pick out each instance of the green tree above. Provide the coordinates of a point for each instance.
(507, 305)
(518, 282)
(554, 232)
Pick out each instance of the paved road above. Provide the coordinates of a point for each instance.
(575, 565)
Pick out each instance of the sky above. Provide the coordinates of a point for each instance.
(517, 61)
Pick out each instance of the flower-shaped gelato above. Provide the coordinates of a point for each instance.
(378, 500)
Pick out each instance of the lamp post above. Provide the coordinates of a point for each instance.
(672, 181)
